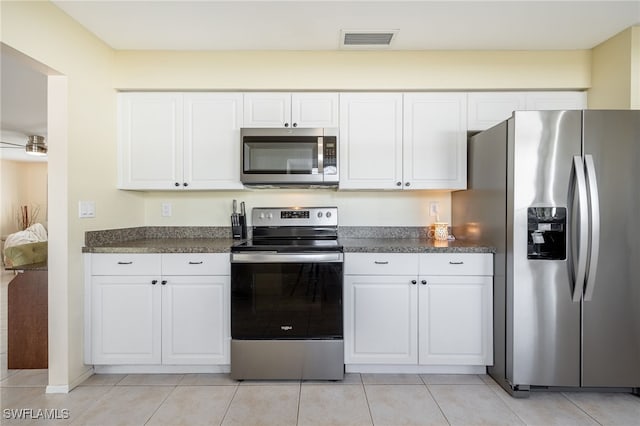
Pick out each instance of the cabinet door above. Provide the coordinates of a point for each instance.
(435, 141)
(212, 123)
(486, 109)
(267, 109)
(195, 320)
(380, 320)
(126, 320)
(556, 100)
(370, 141)
(314, 109)
(455, 325)
(150, 141)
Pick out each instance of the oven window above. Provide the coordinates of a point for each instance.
(277, 157)
(286, 300)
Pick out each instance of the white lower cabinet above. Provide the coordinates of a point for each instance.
(170, 309)
(418, 309)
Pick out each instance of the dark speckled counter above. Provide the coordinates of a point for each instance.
(218, 240)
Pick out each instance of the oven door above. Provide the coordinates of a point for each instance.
(286, 296)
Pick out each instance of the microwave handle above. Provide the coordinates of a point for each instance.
(320, 154)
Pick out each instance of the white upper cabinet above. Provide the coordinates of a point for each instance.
(435, 141)
(556, 100)
(150, 140)
(370, 140)
(486, 109)
(179, 141)
(396, 141)
(283, 109)
(212, 140)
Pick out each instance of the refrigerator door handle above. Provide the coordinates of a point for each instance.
(583, 231)
(594, 226)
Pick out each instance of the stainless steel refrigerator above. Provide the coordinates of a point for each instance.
(558, 194)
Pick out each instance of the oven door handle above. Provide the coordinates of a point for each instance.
(253, 257)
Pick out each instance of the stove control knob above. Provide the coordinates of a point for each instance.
(319, 214)
(269, 216)
(261, 216)
(328, 214)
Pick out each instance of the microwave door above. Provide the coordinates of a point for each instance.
(281, 160)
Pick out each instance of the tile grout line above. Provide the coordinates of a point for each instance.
(366, 398)
(580, 408)
(435, 400)
(160, 405)
(495, 392)
(226, 411)
(299, 399)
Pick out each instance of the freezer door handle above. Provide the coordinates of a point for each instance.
(580, 265)
(594, 226)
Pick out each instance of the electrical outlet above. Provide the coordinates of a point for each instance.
(434, 208)
(166, 209)
(86, 209)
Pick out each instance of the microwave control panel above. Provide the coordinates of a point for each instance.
(330, 155)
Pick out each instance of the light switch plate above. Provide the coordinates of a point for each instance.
(166, 209)
(86, 209)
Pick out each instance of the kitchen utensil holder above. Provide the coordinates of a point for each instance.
(238, 227)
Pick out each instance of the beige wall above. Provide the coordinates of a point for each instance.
(337, 70)
(21, 184)
(616, 72)
(81, 163)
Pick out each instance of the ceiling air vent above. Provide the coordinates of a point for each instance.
(366, 39)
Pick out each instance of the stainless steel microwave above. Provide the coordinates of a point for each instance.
(289, 157)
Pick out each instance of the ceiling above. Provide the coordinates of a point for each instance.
(23, 108)
(316, 25)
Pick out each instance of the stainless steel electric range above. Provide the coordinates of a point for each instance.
(286, 296)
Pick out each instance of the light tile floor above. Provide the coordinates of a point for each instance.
(367, 399)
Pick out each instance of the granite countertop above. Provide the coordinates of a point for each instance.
(411, 245)
(166, 245)
(218, 240)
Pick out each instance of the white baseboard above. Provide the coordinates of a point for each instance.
(415, 369)
(67, 388)
(160, 369)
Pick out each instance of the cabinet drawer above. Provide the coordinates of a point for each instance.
(196, 264)
(380, 264)
(125, 264)
(456, 264)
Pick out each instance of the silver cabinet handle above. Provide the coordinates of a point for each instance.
(456, 263)
(195, 263)
(125, 263)
(378, 262)
(594, 209)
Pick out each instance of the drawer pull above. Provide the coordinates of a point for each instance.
(414, 282)
(377, 262)
(456, 263)
(163, 282)
(195, 263)
(423, 282)
(125, 263)
(154, 282)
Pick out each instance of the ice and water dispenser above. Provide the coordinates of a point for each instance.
(547, 229)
